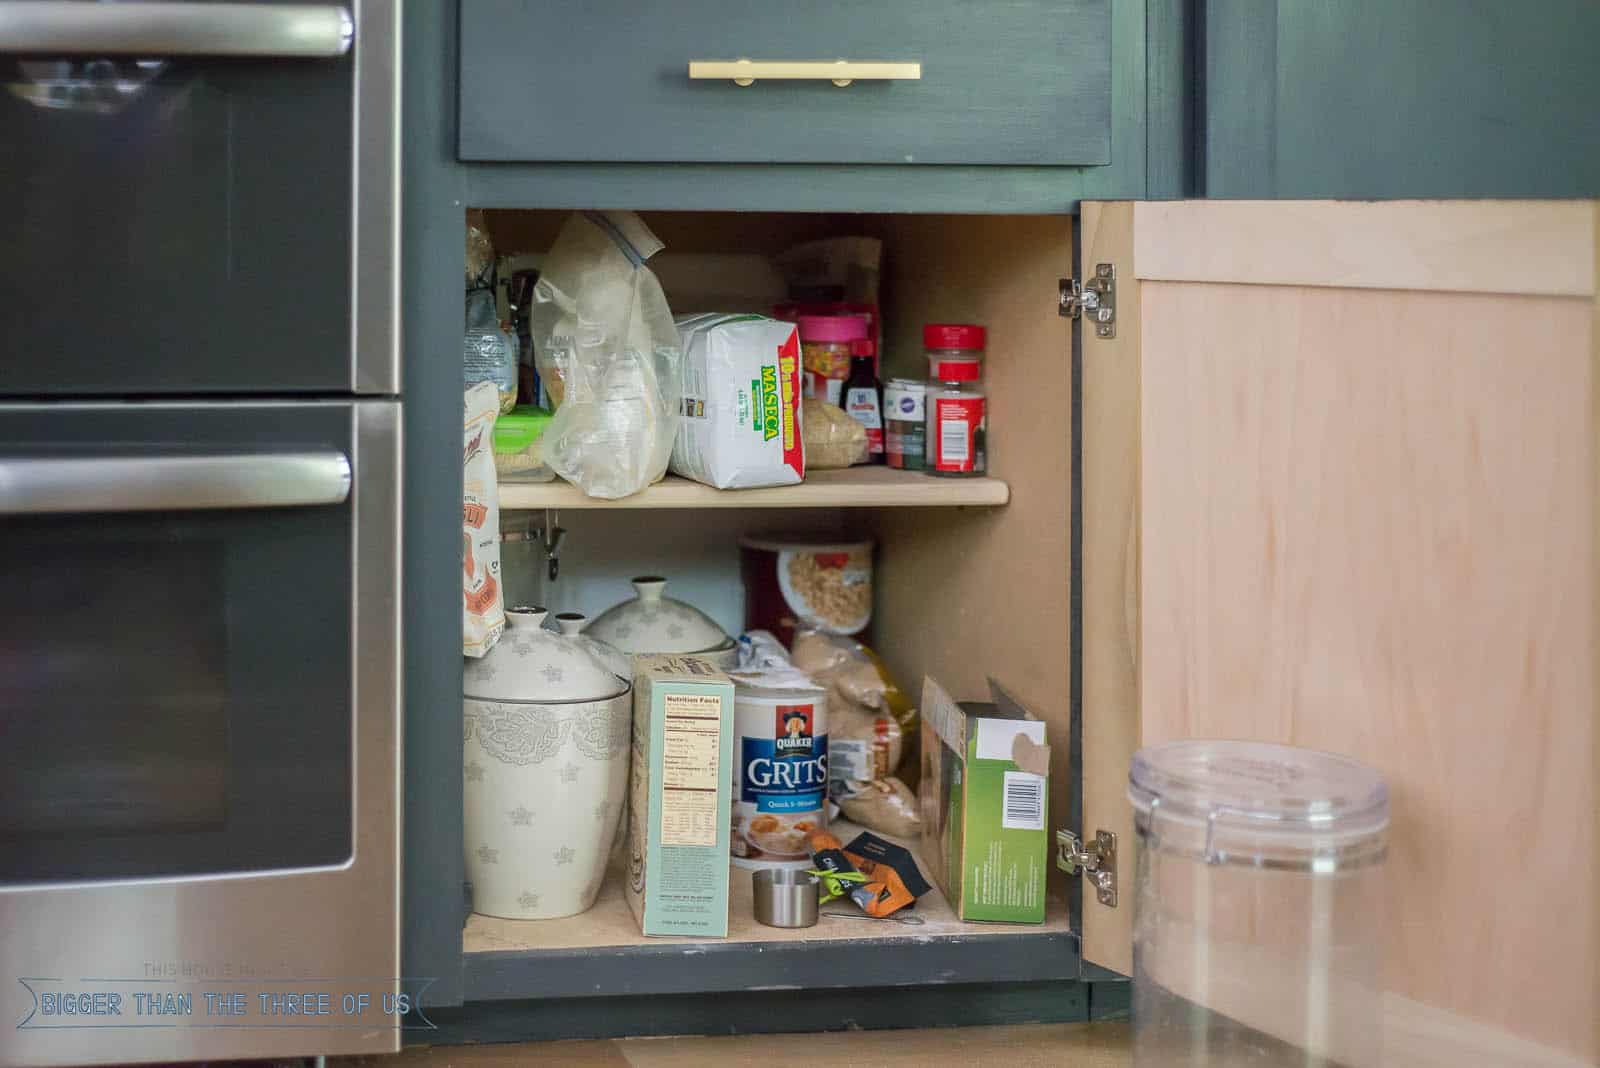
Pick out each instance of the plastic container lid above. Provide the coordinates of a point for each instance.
(801, 543)
(832, 327)
(1259, 805)
(955, 368)
(954, 336)
(520, 427)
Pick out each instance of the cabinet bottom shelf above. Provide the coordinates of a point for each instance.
(601, 952)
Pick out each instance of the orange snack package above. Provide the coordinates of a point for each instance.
(890, 867)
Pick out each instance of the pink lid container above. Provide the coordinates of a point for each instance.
(832, 327)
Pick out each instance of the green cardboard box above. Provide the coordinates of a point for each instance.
(679, 797)
(984, 797)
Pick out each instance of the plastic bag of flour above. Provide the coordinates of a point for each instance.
(607, 353)
(483, 615)
(741, 402)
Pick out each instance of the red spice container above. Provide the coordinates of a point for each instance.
(956, 404)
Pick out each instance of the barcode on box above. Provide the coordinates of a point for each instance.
(953, 442)
(1023, 802)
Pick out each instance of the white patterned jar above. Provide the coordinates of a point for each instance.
(547, 722)
(654, 623)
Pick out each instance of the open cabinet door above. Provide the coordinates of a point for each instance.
(1339, 491)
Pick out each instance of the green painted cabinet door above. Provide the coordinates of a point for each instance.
(1425, 98)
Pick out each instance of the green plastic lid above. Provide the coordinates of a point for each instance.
(520, 428)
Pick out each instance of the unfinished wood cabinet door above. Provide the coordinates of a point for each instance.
(1339, 491)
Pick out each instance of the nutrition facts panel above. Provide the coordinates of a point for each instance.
(691, 740)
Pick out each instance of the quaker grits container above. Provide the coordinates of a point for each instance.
(817, 581)
(547, 722)
(1259, 920)
(780, 768)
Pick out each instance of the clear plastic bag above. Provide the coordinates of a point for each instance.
(608, 354)
(489, 351)
(833, 439)
(870, 719)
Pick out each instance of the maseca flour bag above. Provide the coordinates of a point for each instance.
(741, 402)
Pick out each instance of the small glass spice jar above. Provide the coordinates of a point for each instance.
(956, 405)
(825, 349)
(905, 420)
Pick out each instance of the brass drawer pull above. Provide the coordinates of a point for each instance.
(840, 72)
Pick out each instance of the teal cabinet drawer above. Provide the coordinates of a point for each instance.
(1019, 82)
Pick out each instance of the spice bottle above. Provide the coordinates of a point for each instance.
(825, 342)
(863, 396)
(956, 415)
(905, 418)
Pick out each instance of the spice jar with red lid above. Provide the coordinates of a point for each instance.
(956, 405)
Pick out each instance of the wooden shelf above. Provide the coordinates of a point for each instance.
(587, 953)
(853, 487)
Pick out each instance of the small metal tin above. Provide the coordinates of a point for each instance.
(785, 897)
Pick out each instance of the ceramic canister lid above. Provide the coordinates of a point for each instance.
(535, 665)
(655, 623)
(572, 624)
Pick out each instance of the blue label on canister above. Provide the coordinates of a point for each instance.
(779, 781)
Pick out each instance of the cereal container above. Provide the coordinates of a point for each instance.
(1258, 905)
(791, 581)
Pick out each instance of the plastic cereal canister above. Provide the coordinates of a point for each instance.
(1258, 905)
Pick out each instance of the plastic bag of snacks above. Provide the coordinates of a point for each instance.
(608, 356)
(871, 718)
(488, 348)
(483, 608)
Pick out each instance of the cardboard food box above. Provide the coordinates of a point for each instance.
(679, 796)
(984, 796)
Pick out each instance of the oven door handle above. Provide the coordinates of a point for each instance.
(87, 484)
(152, 30)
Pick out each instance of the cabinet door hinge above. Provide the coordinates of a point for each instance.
(1096, 299)
(1097, 860)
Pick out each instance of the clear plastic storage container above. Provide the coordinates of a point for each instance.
(1259, 921)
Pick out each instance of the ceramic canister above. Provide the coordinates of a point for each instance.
(547, 721)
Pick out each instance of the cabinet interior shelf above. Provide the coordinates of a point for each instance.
(854, 487)
(602, 951)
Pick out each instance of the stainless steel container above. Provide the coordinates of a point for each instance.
(785, 897)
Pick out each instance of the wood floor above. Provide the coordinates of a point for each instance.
(1084, 1045)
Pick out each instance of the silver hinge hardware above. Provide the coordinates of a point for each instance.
(1097, 860)
(1095, 299)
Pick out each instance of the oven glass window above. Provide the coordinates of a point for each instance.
(116, 704)
(176, 687)
(178, 225)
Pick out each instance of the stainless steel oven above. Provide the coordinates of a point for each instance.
(198, 783)
(198, 197)
(200, 494)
